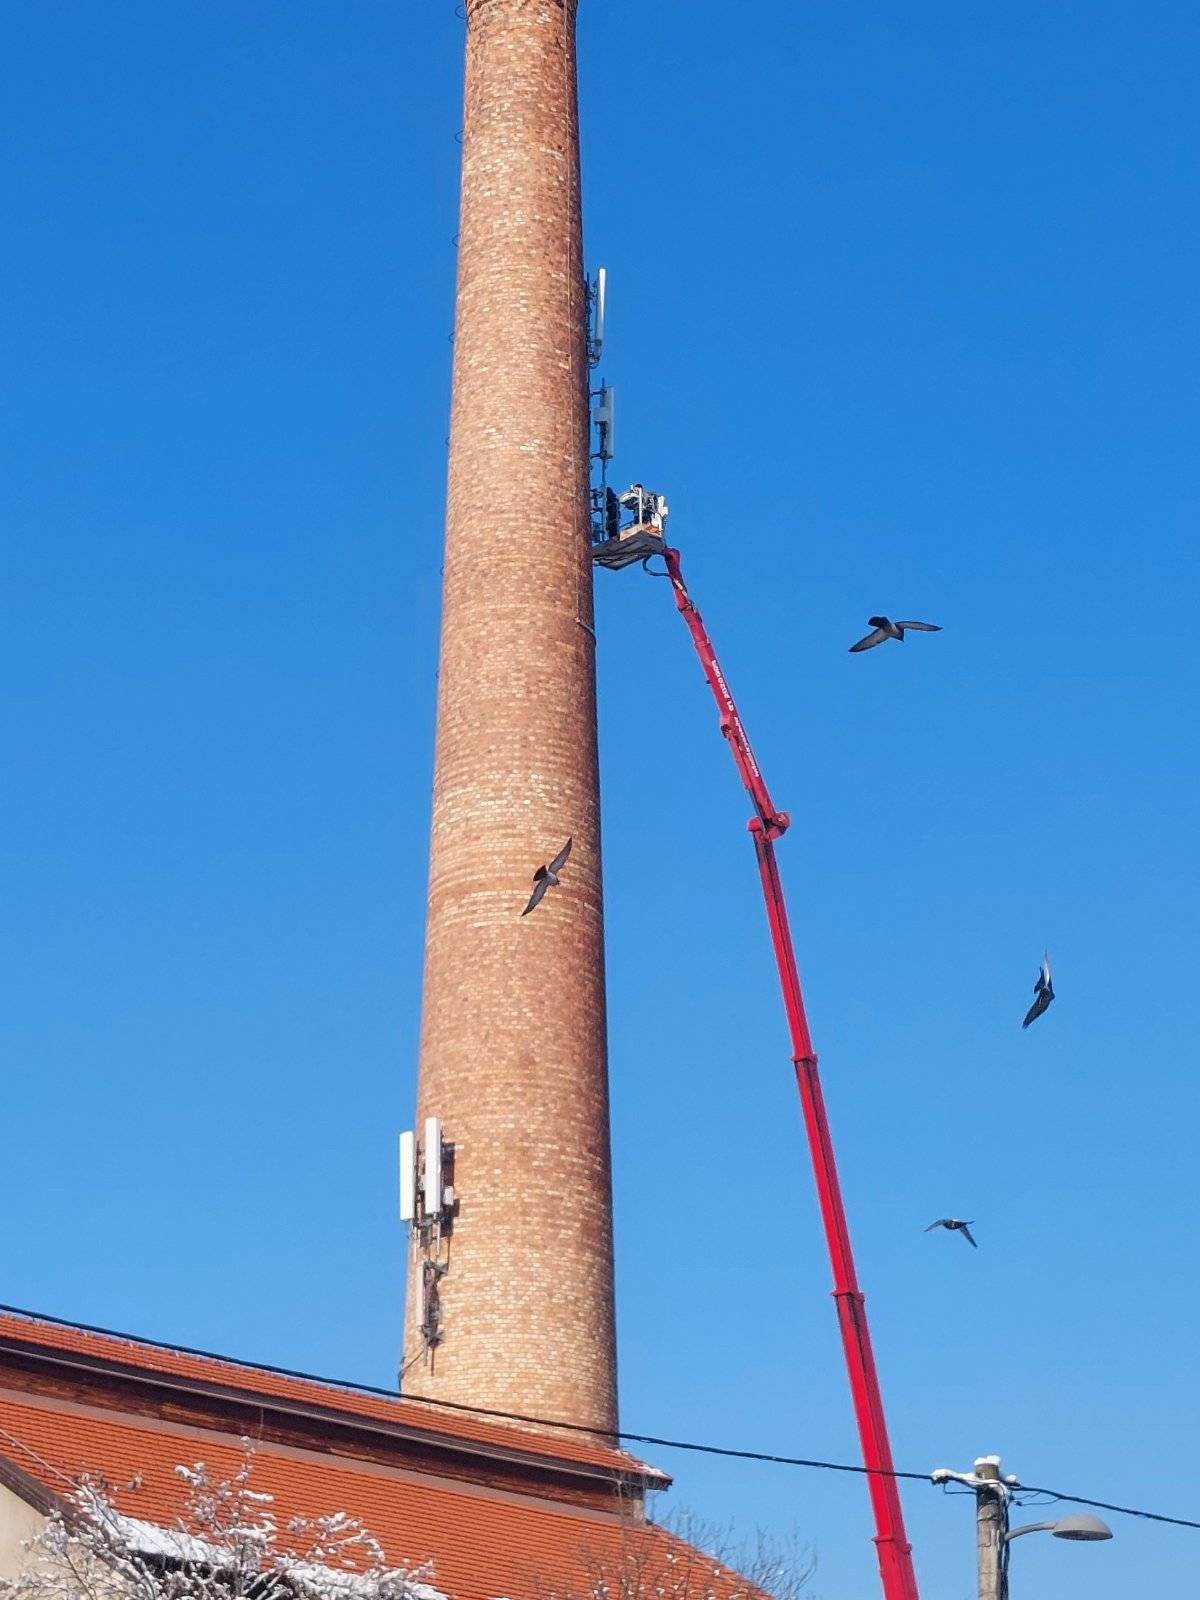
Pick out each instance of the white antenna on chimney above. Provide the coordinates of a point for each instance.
(427, 1207)
(598, 294)
(432, 1187)
(605, 420)
(408, 1177)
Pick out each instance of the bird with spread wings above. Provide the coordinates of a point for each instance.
(953, 1225)
(884, 628)
(1043, 991)
(547, 877)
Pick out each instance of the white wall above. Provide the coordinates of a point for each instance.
(17, 1522)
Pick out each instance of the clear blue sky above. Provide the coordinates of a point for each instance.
(904, 317)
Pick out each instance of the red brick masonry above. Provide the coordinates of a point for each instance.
(513, 1026)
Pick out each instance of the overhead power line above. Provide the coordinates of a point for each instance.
(662, 1443)
(1105, 1505)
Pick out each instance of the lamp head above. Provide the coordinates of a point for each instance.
(1081, 1526)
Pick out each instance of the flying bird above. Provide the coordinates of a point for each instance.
(547, 877)
(1044, 992)
(886, 629)
(953, 1225)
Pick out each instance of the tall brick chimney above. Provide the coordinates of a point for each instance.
(513, 1024)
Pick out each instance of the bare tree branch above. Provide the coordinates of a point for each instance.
(686, 1558)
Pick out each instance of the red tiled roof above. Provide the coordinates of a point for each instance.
(480, 1545)
(521, 1515)
(233, 1375)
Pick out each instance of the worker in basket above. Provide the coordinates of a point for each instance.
(637, 540)
(649, 510)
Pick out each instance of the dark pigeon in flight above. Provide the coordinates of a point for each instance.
(547, 877)
(953, 1225)
(1043, 991)
(886, 629)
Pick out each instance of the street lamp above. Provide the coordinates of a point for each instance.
(993, 1535)
(1077, 1526)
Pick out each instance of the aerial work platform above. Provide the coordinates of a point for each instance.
(637, 543)
(638, 540)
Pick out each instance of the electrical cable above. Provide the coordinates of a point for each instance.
(412, 1361)
(596, 1431)
(1106, 1505)
(33, 1456)
(1005, 1548)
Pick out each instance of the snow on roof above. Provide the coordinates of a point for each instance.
(177, 1544)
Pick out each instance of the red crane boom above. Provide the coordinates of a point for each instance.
(767, 824)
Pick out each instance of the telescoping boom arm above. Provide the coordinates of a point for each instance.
(767, 824)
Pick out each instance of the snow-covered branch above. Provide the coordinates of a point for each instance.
(226, 1545)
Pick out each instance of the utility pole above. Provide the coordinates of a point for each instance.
(991, 1524)
(991, 1521)
(992, 1532)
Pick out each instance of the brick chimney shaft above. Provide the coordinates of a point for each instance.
(513, 1055)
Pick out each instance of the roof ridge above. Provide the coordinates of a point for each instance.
(437, 1420)
(136, 1339)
